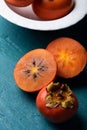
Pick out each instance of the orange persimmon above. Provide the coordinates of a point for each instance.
(52, 9)
(57, 102)
(70, 56)
(35, 70)
(19, 3)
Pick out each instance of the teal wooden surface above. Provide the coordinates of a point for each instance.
(18, 109)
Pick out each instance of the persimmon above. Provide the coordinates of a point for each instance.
(35, 70)
(52, 9)
(57, 102)
(70, 56)
(19, 3)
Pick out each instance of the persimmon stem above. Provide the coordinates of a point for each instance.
(59, 95)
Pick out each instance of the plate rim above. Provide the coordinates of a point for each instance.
(72, 18)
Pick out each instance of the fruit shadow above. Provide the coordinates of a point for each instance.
(31, 96)
(79, 81)
(73, 124)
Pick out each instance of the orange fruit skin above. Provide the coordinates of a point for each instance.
(24, 70)
(70, 56)
(52, 9)
(19, 3)
(58, 114)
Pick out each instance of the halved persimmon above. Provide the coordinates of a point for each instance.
(70, 56)
(57, 102)
(35, 70)
(19, 3)
(52, 9)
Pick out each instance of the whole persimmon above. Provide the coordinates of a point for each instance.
(52, 9)
(70, 56)
(57, 102)
(19, 3)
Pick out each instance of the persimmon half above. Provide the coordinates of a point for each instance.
(70, 56)
(35, 70)
(19, 3)
(52, 9)
(57, 102)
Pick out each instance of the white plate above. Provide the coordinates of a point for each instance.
(25, 17)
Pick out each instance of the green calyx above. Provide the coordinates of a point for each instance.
(59, 95)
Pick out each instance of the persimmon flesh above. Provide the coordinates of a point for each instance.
(35, 70)
(70, 56)
(52, 9)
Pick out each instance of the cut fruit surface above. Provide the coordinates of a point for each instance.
(35, 70)
(70, 56)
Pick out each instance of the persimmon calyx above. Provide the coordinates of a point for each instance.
(59, 95)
